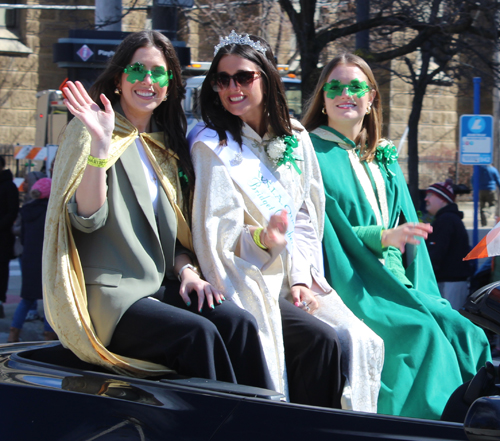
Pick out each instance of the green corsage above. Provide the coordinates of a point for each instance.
(386, 154)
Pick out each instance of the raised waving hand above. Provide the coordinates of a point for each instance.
(100, 123)
(91, 193)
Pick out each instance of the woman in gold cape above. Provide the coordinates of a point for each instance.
(116, 232)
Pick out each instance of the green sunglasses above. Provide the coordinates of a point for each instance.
(355, 87)
(137, 72)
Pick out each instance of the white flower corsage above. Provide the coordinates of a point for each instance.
(280, 151)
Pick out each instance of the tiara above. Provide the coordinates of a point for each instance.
(234, 38)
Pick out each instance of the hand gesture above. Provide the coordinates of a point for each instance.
(304, 298)
(99, 123)
(400, 236)
(274, 234)
(192, 282)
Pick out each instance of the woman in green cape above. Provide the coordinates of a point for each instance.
(373, 255)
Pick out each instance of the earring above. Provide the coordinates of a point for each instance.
(118, 91)
(165, 97)
(323, 110)
(369, 110)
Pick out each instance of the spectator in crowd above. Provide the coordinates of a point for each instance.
(32, 232)
(25, 187)
(448, 244)
(9, 206)
(489, 179)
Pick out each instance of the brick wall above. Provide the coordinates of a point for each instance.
(21, 77)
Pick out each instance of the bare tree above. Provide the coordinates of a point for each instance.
(217, 18)
(463, 39)
(446, 34)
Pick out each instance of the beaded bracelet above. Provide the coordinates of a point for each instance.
(256, 238)
(96, 162)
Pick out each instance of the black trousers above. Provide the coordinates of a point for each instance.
(312, 357)
(4, 279)
(220, 344)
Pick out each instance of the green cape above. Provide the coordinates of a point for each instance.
(430, 349)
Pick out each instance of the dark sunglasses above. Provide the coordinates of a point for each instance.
(243, 79)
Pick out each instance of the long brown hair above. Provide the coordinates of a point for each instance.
(169, 115)
(276, 107)
(371, 131)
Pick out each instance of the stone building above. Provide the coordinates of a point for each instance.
(26, 67)
(27, 37)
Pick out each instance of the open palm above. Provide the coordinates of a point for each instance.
(99, 123)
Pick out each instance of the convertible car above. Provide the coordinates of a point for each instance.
(47, 393)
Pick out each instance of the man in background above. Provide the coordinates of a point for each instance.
(448, 244)
(489, 180)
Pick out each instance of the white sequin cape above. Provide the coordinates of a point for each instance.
(220, 213)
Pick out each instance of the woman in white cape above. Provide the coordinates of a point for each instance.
(258, 215)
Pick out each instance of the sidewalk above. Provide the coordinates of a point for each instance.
(468, 209)
(33, 330)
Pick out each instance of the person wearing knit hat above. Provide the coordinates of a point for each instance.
(41, 189)
(32, 233)
(29, 180)
(444, 190)
(448, 243)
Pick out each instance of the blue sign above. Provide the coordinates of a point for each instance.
(476, 139)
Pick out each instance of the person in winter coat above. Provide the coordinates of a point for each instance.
(32, 231)
(25, 187)
(448, 244)
(9, 206)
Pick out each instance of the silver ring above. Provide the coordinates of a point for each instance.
(307, 308)
(304, 302)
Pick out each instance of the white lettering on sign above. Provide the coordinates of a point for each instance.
(108, 54)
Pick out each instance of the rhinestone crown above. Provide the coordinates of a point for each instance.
(234, 38)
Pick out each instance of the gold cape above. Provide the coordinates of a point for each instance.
(65, 297)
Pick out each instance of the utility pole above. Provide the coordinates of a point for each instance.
(363, 14)
(165, 16)
(108, 15)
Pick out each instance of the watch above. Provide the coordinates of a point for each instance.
(191, 267)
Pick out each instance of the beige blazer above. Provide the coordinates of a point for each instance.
(124, 251)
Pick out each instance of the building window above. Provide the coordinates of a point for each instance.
(10, 43)
(8, 17)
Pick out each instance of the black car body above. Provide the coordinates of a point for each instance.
(47, 393)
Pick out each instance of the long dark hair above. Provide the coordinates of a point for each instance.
(169, 115)
(276, 107)
(371, 132)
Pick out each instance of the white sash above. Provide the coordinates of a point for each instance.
(252, 176)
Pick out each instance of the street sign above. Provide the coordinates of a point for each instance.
(476, 139)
